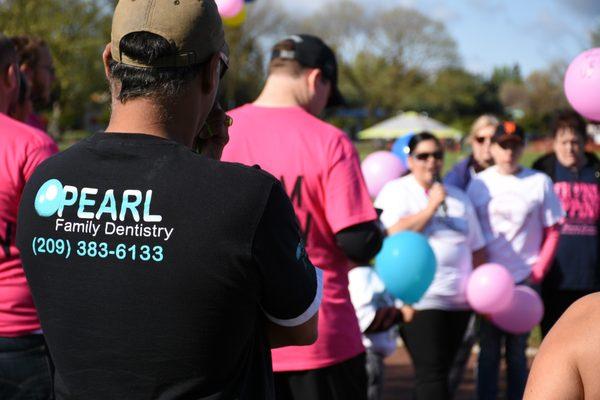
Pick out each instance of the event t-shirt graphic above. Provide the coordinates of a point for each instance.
(136, 234)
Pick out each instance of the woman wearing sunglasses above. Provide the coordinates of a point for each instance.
(480, 139)
(519, 215)
(419, 202)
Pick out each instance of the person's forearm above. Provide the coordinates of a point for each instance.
(416, 222)
(546, 257)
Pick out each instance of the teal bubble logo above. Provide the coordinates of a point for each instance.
(49, 198)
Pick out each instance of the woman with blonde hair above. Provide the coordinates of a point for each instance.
(480, 138)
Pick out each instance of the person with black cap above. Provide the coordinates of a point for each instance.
(160, 273)
(520, 217)
(320, 171)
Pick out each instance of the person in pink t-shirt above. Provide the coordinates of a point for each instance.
(320, 171)
(24, 366)
(36, 65)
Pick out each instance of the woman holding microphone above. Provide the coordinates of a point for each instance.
(444, 214)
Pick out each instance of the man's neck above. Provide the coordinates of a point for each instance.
(142, 116)
(281, 91)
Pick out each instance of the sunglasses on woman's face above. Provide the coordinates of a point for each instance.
(482, 139)
(438, 155)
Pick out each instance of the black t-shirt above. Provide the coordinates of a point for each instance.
(577, 262)
(153, 270)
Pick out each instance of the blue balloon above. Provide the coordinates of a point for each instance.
(406, 264)
(400, 148)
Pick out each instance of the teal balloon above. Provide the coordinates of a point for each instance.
(406, 264)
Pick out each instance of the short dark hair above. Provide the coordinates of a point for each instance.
(422, 137)
(569, 120)
(29, 49)
(164, 82)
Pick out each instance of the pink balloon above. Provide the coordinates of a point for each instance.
(523, 313)
(230, 8)
(379, 168)
(490, 288)
(582, 84)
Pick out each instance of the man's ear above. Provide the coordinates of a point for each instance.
(106, 57)
(314, 77)
(12, 78)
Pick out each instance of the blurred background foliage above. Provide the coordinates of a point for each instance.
(390, 60)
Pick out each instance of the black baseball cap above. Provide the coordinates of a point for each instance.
(508, 131)
(312, 52)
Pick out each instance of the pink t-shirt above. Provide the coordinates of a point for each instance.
(320, 171)
(22, 149)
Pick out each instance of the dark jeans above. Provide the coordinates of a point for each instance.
(432, 339)
(375, 375)
(556, 303)
(490, 342)
(462, 356)
(25, 369)
(344, 381)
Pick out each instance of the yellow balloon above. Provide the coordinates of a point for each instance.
(237, 20)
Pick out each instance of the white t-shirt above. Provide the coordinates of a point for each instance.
(453, 237)
(513, 211)
(368, 294)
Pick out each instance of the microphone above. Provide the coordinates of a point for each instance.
(444, 206)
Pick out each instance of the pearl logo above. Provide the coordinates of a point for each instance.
(49, 198)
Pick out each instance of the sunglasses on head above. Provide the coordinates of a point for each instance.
(438, 155)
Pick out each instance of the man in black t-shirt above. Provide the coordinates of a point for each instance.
(159, 273)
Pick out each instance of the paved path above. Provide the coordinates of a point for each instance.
(400, 375)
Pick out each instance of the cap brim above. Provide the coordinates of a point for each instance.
(336, 99)
(509, 138)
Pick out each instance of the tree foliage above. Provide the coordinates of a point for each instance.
(76, 32)
(391, 59)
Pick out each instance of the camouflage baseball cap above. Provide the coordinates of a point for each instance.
(193, 27)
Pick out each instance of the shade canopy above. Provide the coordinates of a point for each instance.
(409, 122)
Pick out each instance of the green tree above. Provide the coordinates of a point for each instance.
(249, 43)
(506, 73)
(76, 32)
(385, 55)
(457, 97)
(537, 98)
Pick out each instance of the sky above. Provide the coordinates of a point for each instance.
(532, 33)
